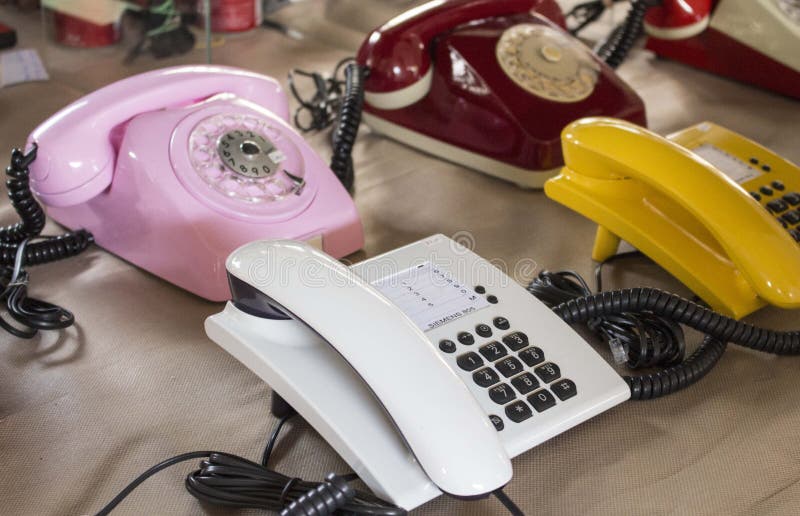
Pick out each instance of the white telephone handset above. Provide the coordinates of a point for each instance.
(426, 368)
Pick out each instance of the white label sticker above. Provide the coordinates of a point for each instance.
(429, 295)
(276, 156)
(729, 165)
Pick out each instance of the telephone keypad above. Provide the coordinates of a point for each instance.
(792, 217)
(548, 372)
(466, 338)
(792, 198)
(564, 389)
(493, 351)
(516, 340)
(542, 400)
(525, 383)
(777, 206)
(502, 394)
(501, 323)
(486, 377)
(484, 330)
(469, 361)
(509, 366)
(497, 421)
(532, 356)
(448, 346)
(518, 411)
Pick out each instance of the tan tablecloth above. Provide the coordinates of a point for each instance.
(136, 380)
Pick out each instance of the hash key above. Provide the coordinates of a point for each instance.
(564, 389)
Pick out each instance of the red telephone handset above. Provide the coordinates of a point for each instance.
(487, 84)
(398, 53)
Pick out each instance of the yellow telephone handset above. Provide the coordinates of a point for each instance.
(694, 218)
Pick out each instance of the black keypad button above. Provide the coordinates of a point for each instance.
(525, 383)
(792, 217)
(448, 346)
(509, 366)
(792, 198)
(548, 372)
(497, 421)
(480, 289)
(766, 168)
(502, 394)
(795, 234)
(755, 196)
(501, 323)
(484, 330)
(532, 356)
(492, 299)
(542, 400)
(516, 340)
(493, 351)
(466, 338)
(778, 186)
(777, 206)
(469, 361)
(754, 161)
(766, 190)
(518, 411)
(486, 377)
(564, 389)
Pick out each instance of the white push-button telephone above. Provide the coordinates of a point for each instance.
(426, 368)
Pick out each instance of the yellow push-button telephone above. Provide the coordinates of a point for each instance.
(718, 211)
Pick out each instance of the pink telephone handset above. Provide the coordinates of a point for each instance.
(173, 169)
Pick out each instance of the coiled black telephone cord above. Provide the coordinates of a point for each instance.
(645, 322)
(19, 248)
(616, 47)
(336, 101)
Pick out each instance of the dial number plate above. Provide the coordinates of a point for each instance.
(547, 63)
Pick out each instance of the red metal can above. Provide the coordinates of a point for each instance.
(234, 15)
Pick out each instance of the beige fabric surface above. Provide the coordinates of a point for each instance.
(136, 380)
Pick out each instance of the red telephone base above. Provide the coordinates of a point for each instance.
(720, 54)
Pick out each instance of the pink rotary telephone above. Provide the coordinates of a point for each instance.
(173, 169)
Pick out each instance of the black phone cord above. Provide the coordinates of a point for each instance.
(616, 47)
(337, 100)
(19, 248)
(231, 481)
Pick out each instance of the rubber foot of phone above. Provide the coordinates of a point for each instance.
(279, 407)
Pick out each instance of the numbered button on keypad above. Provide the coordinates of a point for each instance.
(469, 361)
(493, 351)
(777, 206)
(792, 198)
(516, 340)
(448, 346)
(497, 421)
(501, 323)
(509, 366)
(564, 389)
(484, 330)
(548, 372)
(466, 338)
(486, 377)
(532, 356)
(525, 383)
(518, 411)
(795, 234)
(792, 217)
(542, 400)
(502, 394)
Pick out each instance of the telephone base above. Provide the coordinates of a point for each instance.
(524, 178)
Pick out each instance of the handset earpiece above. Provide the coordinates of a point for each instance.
(76, 156)
(398, 53)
